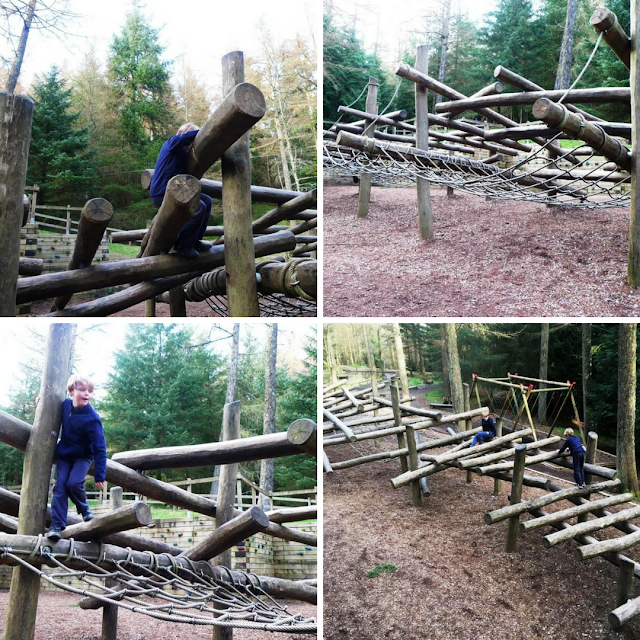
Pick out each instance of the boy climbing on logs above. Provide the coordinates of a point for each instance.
(170, 163)
(81, 443)
(577, 455)
(488, 431)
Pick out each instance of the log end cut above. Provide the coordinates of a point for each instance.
(98, 210)
(183, 188)
(303, 434)
(249, 100)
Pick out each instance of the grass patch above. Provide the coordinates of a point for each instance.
(119, 251)
(386, 569)
(434, 396)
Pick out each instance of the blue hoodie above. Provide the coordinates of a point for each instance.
(489, 424)
(170, 162)
(574, 445)
(82, 437)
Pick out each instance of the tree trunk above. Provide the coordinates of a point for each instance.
(402, 366)
(563, 77)
(544, 370)
(446, 382)
(445, 44)
(371, 360)
(455, 379)
(625, 447)
(283, 155)
(269, 422)
(586, 374)
(16, 66)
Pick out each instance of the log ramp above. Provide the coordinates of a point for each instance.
(225, 137)
(506, 457)
(106, 537)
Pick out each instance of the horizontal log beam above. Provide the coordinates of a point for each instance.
(529, 460)
(506, 453)
(130, 516)
(293, 514)
(135, 235)
(607, 546)
(427, 413)
(348, 432)
(30, 266)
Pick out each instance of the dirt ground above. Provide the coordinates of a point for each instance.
(488, 259)
(60, 618)
(454, 579)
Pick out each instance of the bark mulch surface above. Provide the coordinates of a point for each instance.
(60, 618)
(488, 258)
(454, 579)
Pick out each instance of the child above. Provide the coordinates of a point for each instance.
(577, 455)
(81, 443)
(488, 431)
(170, 163)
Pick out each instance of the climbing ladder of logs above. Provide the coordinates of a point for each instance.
(506, 457)
(238, 276)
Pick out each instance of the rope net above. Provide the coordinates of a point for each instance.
(271, 305)
(173, 594)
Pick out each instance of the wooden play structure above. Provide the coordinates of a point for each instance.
(494, 156)
(242, 286)
(119, 569)
(409, 434)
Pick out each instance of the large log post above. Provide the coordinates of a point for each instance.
(397, 420)
(36, 475)
(227, 492)
(178, 207)
(247, 524)
(497, 483)
(633, 265)
(94, 218)
(604, 21)
(364, 188)
(425, 212)
(467, 423)
(516, 496)
(590, 459)
(624, 592)
(241, 108)
(110, 611)
(414, 463)
(15, 134)
(242, 291)
(131, 516)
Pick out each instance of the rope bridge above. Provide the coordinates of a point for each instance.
(185, 593)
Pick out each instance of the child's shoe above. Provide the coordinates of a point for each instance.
(54, 534)
(187, 252)
(202, 246)
(87, 515)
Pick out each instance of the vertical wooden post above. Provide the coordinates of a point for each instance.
(633, 265)
(590, 458)
(416, 493)
(239, 493)
(516, 496)
(15, 134)
(425, 213)
(467, 423)
(150, 308)
(68, 225)
(397, 419)
(177, 303)
(624, 590)
(226, 493)
(364, 191)
(242, 289)
(497, 483)
(110, 611)
(25, 585)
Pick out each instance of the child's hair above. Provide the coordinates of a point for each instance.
(189, 126)
(75, 379)
(568, 432)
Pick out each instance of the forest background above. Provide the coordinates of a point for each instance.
(546, 41)
(168, 387)
(97, 127)
(492, 350)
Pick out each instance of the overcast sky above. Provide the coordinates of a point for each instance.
(204, 30)
(22, 342)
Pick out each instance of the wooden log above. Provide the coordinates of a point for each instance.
(358, 404)
(518, 81)
(490, 90)
(94, 218)
(305, 251)
(15, 132)
(364, 185)
(299, 438)
(23, 545)
(491, 517)
(139, 270)
(606, 546)
(414, 464)
(427, 413)
(303, 226)
(556, 115)
(213, 188)
(565, 514)
(285, 211)
(135, 235)
(590, 458)
(242, 107)
(30, 266)
(36, 475)
(497, 481)
(590, 526)
(26, 209)
(633, 260)
(349, 434)
(506, 453)
(626, 606)
(242, 291)
(425, 209)
(397, 421)
(131, 516)
(177, 302)
(248, 523)
(529, 460)
(179, 205)
(498, 157)
(326, 465)
(293, 514)
(593, 469)
(604, 21)
(515, 497)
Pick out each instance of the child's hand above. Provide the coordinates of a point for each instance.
(100, 485)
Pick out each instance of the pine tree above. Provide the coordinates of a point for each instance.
(60, 161)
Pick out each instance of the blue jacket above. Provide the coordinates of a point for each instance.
(488, 424)
(574, 445)
(170, 162)
(83, 437)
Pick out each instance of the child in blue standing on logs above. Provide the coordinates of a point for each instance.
(577, 455)
(81, 443)
(488, 431)
(170, 163)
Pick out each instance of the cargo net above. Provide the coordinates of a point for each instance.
(273, 305)
(587, 183)
(184, 595)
